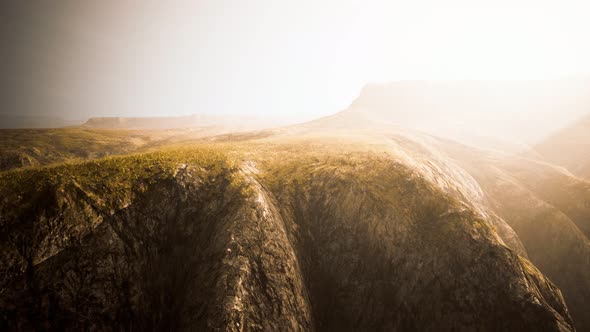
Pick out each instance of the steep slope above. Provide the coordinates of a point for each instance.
(539, 210)
(416, 239)
(569, 147)
(542, 210)
(147, 249)
(549, 209)
(283, 235)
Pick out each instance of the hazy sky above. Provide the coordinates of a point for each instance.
(76, 59)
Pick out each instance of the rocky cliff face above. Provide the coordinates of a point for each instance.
(539, 210)
(286, 237)
(416, 257)
(548, 208)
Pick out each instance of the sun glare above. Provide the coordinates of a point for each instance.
(532, 42)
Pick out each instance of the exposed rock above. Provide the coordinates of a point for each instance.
(362, 242)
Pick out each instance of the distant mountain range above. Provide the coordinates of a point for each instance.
(225, 122)
(516, 112)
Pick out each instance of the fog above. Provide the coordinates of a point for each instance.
(296, 60)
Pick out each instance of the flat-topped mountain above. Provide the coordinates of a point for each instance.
(224, 123)
(510, 110)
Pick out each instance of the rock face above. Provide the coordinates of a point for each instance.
(418, 259)
(539, 210)
(325, 240)
(549, 210)
(540, 203)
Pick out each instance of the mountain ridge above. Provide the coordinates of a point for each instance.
(283, 239)
(348, 222)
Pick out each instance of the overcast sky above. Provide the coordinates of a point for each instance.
(76, 59)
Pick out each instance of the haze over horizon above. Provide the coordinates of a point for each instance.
(300, 60)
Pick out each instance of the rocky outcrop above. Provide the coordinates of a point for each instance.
(173, 255)
(548, 209)
(538, 209)
(404, 256)
(323, 242)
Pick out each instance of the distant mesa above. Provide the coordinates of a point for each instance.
(237, 123)
(514, 110)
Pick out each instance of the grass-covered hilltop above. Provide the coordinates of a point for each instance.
(310, 227)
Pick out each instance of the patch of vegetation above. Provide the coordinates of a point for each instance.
(113, 177)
